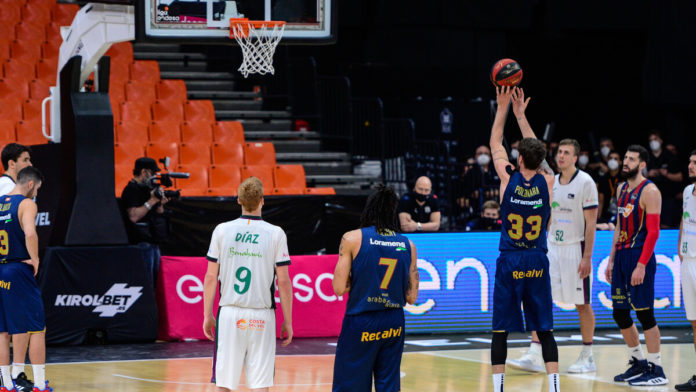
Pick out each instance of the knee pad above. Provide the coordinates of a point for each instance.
(646, 318)
(499, 348)
(549, 349)
(622, 318)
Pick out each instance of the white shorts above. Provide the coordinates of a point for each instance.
(245, 338)
(688, 283)
(566, 285)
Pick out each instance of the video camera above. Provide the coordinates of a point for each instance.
(164, 180)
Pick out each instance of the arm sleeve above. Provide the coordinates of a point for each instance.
(590, 197)
(214, 249)
(434, 204)
(653, 226)
(282, 256)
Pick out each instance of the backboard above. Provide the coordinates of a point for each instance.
(308, 21)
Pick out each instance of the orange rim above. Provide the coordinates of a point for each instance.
(245, 23)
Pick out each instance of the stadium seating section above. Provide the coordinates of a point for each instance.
(152, 117)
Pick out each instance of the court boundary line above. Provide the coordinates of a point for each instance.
(173, 359)
(208, 383)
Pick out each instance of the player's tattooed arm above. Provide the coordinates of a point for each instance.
(413, 278)
(350, 243)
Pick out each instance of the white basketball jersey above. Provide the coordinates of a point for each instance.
(248, 250)
(567, 208)
(687, 246)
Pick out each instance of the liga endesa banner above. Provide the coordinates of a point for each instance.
(316, 310)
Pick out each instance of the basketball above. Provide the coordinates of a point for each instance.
(506, 72)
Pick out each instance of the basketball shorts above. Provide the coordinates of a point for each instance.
(625, 296)
(688, 283)
(21, 306)
(566, 285)
(245, 338)
(522, 278)
(370, 343)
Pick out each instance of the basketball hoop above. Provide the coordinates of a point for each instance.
(258, 40)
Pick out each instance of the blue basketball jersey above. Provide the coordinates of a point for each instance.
(525, 210)
(379, 274)
(13, 246)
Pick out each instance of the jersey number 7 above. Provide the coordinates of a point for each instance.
(391, 265)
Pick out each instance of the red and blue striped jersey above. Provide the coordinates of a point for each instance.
(631, 217)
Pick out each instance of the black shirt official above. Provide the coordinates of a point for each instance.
(419, 210)
(419, 213)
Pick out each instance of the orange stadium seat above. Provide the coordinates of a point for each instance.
(119, 72)
(122, 174)
(171, 90)
(28, 31)
(115, 111)
(135, 111)
(14, 89)
(142, 92)
(158, 151)
(19, 70)
(29, 133)
(122, 51)
(288, 191)
(117, 92)
(52, 29)
(194, 153)
(39, 89)
(36, 14)
(259, 154)
(228, 132)
(27, 51)
(199, 110)
(31, 109)
(289, 176)
(132, 132)
(164, 132)
(224, 180)
(7, 131)
(63, 14)
(7, 32)
(10, 15)
(50, 51)
(4, 49)
(228, 154)
(127, 153)
(145, 70)
(320, 191)
(47, 69)
(168, 111)
(50, 4)
(197, 184)
(197, 132)
(11, 109)
(263, 173)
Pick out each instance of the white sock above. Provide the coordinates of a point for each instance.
(655, 358)
(535, 348)
(17, 368)
(6, 377)
(636, 352)
(554, 385)
(587, 350)
(39, 373)
(498, 381)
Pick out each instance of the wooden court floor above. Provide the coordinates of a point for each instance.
(442, 371)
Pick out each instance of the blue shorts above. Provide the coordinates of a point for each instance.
(370, 344)
(625, 296)
(21, 307)
(522, 278)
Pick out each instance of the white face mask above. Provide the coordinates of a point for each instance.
(605, 151)
(655, 145)
(514, 153)
(613, 164)
(483, 159)
(583, 160)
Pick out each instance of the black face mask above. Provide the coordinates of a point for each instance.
(420, 197)
(489, 222)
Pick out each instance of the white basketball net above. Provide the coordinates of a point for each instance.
(258, 46)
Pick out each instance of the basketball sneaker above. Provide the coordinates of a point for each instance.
(687, 386)
(3, 389)
(653, 376)
(635, 370)
(529, 362)
(47, 388)
(584, 364)
(22, 383)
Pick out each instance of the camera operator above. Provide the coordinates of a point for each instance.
(143, 204)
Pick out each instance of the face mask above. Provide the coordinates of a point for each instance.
(655, 145)
(489, 222)
(483, 159)
(514, 153)
(613, 164)
(421, 197)
(583, 160)
(605, 151)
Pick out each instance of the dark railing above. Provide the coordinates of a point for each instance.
(335, 109)
(368, 131)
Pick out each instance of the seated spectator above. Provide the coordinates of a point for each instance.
(607, 189)
(664, 171)
(481, 183)
(419, 210)
(599, 166)
(489, 220)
